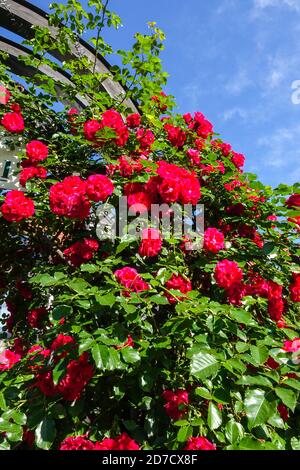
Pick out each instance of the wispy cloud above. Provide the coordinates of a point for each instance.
(260, 5)
(239, 82)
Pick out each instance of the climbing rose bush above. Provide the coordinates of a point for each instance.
(123, 343)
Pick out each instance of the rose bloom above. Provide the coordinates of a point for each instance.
(283, 411)
(8, 359)
(145, 138)
(36, 151)
(151, 243)
(131, 280)
(176, 135)
(4, 95)
(213, 240)
(81, 252)
(121, 442)
(199, 443)
(177, 282)
(99, 188)
(238, 159)
(13, 122)
(133, 120)
(68, 198)
(176, 403)
(35, 317)
(90, 129)
(293, 201)
(295, 288)
(17, 206)
(32, 172)
(292, 346)
(76, 443)
(227, 273)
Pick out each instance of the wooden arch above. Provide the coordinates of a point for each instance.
(18, 16)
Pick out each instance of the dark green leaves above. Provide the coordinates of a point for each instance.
(214, 418)
(257, 407)
(204, 365)
(45, 433)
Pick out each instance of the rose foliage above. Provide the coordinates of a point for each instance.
(139, 344)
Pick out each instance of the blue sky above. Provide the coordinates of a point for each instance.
(234, 60)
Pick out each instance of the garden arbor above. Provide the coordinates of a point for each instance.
(18, 17)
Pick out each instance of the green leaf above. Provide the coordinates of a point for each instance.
(214, 418)
(45, 433)
(60, 370)
(249, 443)
(17, 416)
(130, 355)
(241, 316)
(295, 443)
(61, 311)
(181, 422)
(203, 392)
(106, 358)
(159, 299)
(106, 300)
(258, 408)
(204, 365)
(259, 353)
(3, 405)
(86, 344)
(234, 431)
(184, 433)
(288, 397)
(255, 380)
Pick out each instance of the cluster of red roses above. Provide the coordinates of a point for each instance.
(71, 197)
(81, 252)
(121, 442)
(78, 371)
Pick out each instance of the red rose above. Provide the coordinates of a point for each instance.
(121, 442)
(227, 273)
(145, 138)
(17, 207)
(200, 125)
(113, 120)
(292, 346)
(35, 317)
(36, 151)
(79, 373)
(8, 359)
(151, 242)
(13, 122)
(32, 172)
(213, 240)
(295, 288)
(90, 129)
(238, 159)
(77, 443)
(194, 156)
(283, 411)
(199, 443)
(293, 201)
(99, 188)
(133, 120)
(81, 252)
(174, 407)
(131, 280)
(176, 135)
(62, 340)
(68, 198)
(139, 202)
(177, 282)
(4, 95)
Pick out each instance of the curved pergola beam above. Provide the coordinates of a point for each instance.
(19, 16)
(15, 50)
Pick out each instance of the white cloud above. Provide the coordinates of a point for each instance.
(260, 5)
(234, 113)
(238, 82)
(281, 150)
